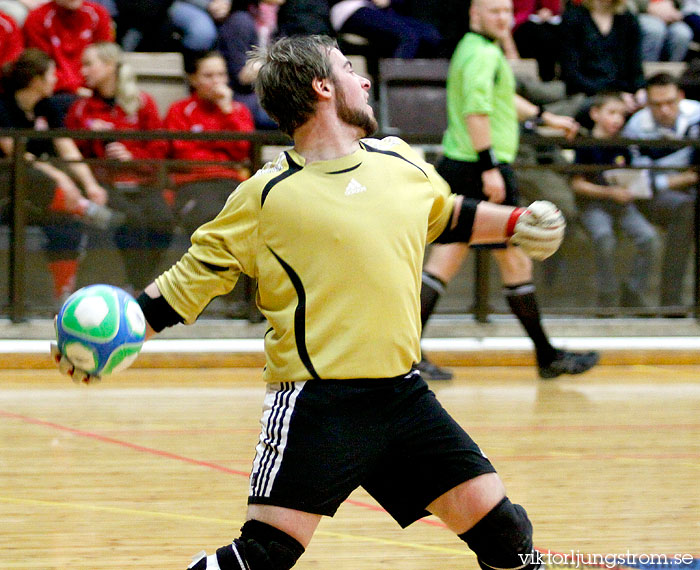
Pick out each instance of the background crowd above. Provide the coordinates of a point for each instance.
(586, 50)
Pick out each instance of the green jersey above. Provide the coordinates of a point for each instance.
(337, 249)
(480, 81)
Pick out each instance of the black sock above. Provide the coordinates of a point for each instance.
(523, 303)
(432, 288)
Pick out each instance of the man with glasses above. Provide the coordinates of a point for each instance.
(669, 115)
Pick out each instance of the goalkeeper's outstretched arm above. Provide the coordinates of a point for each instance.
(537, 229)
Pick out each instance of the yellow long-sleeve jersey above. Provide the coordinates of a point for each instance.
(337, 249)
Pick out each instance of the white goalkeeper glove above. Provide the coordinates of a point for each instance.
(65, 366)
(538, 229)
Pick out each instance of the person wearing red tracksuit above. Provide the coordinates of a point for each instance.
(63, 29)
(118, 104)
(11, 40)
(201, 191)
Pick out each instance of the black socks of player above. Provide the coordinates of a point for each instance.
(523, 303)
(430, 292)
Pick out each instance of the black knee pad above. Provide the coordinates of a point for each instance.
(503, 538)
(260, 547)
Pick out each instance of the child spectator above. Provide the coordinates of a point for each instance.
(201, 191)
(118, 104)
(604, 205)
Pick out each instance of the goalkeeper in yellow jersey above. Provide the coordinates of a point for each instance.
(334, 232)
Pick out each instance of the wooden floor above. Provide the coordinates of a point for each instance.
(151, 466)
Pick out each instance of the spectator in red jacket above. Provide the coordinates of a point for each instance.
(63, 29)
(203, 190)
(58, 199)
(118, 104)
(11, 40)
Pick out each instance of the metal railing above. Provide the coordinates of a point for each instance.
(17, 271)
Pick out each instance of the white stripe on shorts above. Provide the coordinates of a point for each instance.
(277, 413)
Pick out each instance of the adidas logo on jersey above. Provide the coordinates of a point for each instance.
(354, 187)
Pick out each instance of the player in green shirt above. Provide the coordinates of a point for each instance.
(334, 231)
(480, 144)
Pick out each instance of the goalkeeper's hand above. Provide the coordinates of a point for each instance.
(538, 229)
(65, 366)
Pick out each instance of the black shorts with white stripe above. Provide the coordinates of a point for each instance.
(321, 439)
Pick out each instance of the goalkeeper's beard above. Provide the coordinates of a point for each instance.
(360, 118)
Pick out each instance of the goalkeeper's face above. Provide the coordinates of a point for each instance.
(352, 95)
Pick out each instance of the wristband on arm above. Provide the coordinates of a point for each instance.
(487, 159)
(512, 220)
(158, 313)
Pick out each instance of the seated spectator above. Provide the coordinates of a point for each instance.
(299, 17)
(62, 29)
(197, 21)
(605, 204)
(691, 16)
(201, 191)
(665, 36)
(151, 26)
(18, 9)
(266, 20)
(449, 17)
(389, 33)
(238, 34)
(536, 33)
(118, 104)
(56, 203)
(602, 51)
(142, 26)
(11, 40)
(668, 115)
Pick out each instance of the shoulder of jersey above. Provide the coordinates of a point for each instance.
(394, 144)
(265, 174)
(271, 169)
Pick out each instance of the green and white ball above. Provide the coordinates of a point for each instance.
(101, 329)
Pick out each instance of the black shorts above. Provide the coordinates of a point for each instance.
(321, 439)
(465, 178)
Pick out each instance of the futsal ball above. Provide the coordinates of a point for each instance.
(100, 328)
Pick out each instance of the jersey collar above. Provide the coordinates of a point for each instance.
(333, 166)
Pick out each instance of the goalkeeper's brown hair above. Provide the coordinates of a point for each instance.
(287, 68)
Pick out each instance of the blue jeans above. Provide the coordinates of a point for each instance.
(394, 35)
(600, 219)
(664, 42)
(674, 211)
(199, 31)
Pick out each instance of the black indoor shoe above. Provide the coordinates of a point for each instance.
(567, 362)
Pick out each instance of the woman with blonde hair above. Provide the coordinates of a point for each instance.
(60, 199)
(117, 103)
(601, 50)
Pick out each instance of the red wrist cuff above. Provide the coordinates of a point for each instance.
(512, 220)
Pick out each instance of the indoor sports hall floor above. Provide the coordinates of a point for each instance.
(149, 467)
